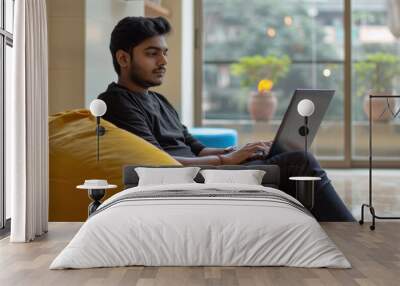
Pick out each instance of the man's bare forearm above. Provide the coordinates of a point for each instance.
(211, 151)
(203, 160)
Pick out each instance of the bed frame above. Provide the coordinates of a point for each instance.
(270, 179)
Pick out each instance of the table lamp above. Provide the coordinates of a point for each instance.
(98, 108)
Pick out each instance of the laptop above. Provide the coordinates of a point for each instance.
(288, 137)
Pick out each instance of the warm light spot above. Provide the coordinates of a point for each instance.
(326, 72)
(265, 85)
(288, 20)
(271, 32)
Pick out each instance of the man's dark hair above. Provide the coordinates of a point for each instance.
(131, 31)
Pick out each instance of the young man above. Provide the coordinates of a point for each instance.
(139, 52)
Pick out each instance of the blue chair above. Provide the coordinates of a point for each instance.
(215, 137)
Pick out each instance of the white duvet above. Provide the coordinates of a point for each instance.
(183, 231)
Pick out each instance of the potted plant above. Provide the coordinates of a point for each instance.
(375, 75)
(261, 72)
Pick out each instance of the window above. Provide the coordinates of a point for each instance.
(314, 36)
(376, 69)
(309, 34)
(9, 16)
(6, 44)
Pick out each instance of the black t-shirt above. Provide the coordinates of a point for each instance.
(151, 117)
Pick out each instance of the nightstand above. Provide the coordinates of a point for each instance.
(305, 188)
(96, 190)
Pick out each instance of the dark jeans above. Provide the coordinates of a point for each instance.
(328, 206)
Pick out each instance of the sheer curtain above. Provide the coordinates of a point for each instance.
(393, 8)
(26, 123)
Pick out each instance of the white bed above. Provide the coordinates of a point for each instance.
(249, 225)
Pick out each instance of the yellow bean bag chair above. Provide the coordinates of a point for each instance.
(72, 150)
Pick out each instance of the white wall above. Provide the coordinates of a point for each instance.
(101, 17)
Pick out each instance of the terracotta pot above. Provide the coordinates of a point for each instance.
(262, 106)
(378, 106)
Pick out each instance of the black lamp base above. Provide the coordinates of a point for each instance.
(305, 193)
(96, 195)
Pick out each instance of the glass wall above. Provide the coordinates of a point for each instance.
(376, 70)
(8, 89)
(6, 43)
(261, 34)
(285, 44)
(9, 15)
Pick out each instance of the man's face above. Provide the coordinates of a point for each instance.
(146, 65)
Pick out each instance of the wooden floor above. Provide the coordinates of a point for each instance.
(374, 255)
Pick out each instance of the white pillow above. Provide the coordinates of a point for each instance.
(164, 176)
(248, 177)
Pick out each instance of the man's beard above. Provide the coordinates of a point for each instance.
(135, 76)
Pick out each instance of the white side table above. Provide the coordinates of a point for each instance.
(305, 189)
(96, 190)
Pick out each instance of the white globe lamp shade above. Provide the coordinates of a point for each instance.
(98, 107)
(305, 107)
